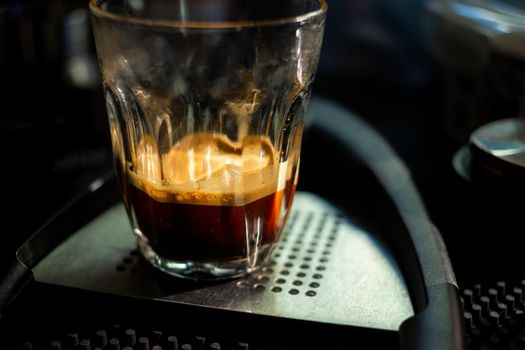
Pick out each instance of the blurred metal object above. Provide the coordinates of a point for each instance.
(81, 70)
(495, 157)
(480, 46)
(499, 148)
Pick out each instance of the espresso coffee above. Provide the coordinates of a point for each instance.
(208, 198)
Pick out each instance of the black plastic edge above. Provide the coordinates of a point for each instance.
(17, 278)
(73, 214)
(430, 329)
(77, 212)
(422, 255)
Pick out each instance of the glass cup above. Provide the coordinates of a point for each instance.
(205, 100)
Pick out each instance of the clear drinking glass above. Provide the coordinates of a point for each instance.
(205, 101)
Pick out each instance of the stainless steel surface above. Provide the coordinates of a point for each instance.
(465, 32)
(488, 17)
(326, 268)
(503, 139)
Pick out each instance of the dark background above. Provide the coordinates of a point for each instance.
(375, 61)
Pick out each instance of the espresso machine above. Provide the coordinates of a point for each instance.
(359, 262)
(364, 258)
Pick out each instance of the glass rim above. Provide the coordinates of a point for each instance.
(97, 11)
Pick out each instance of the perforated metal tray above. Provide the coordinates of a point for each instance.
(326, 268)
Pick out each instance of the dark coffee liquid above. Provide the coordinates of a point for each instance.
(207, 232)
(207, 199)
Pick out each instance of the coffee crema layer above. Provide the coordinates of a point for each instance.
(209, 169)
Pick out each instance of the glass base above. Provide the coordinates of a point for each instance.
(205, 271)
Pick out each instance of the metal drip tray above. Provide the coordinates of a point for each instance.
(326, 268)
